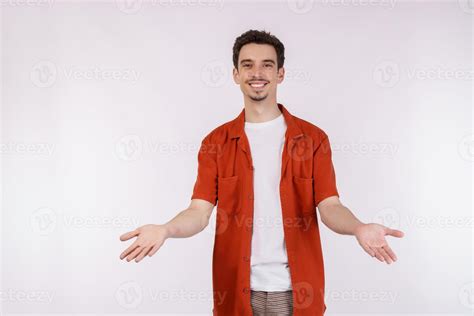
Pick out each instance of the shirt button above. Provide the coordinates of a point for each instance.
(250, 196)
(247, 259)
(246, 290)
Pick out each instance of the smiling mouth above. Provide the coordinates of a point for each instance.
(258, 85)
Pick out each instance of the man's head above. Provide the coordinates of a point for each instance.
(258, 59)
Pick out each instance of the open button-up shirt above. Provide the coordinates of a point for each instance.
(225, 177)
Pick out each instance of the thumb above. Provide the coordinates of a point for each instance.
(394, 232)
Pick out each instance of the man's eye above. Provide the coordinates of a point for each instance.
(268, 65)
(246, 65)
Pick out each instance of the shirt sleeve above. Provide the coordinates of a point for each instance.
(205, 186)
(323, 172)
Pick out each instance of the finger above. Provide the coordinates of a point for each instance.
(395, 233)
(129, 235)
(154, 249)
(142, 253)
(390, 252)
(385, 255)
(131, 256)
(129, 250)
(378, 255)
(368, 250)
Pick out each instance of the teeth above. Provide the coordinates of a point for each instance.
(257, 85)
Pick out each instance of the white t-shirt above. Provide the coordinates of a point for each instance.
(269, 261)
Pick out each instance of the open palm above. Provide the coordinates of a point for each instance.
(371, 237)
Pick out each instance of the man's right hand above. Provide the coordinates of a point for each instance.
(150, 238)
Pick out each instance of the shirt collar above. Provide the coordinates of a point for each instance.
(293, 130)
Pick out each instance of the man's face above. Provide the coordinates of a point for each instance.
(257, 72)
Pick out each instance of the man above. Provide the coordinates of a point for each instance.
(267, 171)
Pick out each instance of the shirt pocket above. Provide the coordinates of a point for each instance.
(304, 194)
(228, 194)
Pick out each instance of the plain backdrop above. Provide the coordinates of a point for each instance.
(104, 105)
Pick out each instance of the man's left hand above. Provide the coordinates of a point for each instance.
(371, 237)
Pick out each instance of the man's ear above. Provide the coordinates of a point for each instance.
(235, 75)
(281, 74)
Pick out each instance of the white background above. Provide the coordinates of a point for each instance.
(87, 156)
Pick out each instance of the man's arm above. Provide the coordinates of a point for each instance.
(190, 221)
(337, 217)
(371, 236)
(151, 237)
(187, 222)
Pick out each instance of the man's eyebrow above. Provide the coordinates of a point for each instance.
(250, 60)
(246, 60)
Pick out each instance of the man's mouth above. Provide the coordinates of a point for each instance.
(258, 84)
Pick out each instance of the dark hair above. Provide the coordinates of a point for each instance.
(259, 37)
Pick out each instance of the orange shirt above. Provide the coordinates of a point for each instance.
(225, 176)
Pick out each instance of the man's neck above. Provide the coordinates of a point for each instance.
(261, 111)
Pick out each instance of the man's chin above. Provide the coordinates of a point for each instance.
(258, 98)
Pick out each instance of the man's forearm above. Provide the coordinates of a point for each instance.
(187, 223)
(339, 219)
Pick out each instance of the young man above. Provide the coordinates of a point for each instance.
(267, 171)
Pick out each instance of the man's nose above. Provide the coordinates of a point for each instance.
(257, 72)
